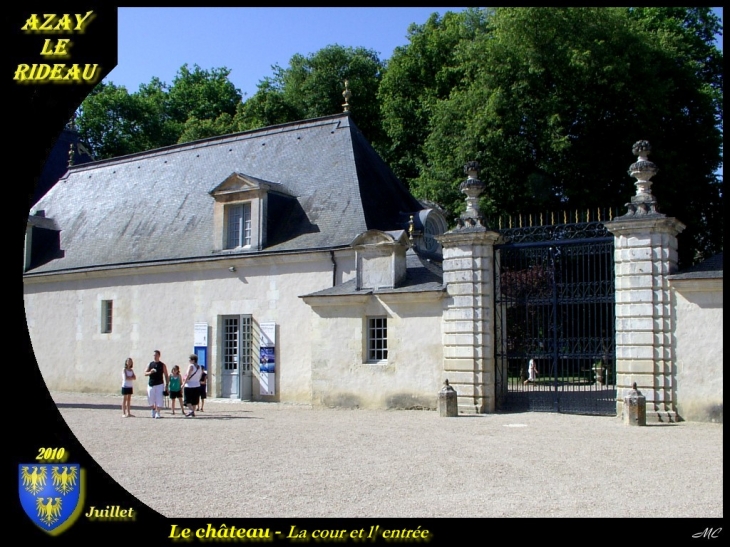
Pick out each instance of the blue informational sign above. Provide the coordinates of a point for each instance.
(200, 343)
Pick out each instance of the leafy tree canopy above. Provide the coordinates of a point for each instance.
(418, 75)
(548, 100)
(551, 100)
(198, 103)
(312, 86)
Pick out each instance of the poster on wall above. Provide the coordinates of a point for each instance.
(268, 335)
(267, 358)
(200, 335)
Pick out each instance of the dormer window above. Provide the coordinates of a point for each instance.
(42, 241)
(240, 212)
(380, 259)
(238, 223)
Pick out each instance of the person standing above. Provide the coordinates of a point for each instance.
(158, 379)
(203, 388)
(531, 372)
(175, 388)
(128, 377)
(191, 386)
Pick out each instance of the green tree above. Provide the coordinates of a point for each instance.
(553, 98)
(195, 129)
(114, 122)
(312, 86)
(417, 76)
(203, 95)
(199, 103)
(268, 106)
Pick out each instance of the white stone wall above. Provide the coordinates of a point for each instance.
(157, 307)
(698, 338)
(341, 373)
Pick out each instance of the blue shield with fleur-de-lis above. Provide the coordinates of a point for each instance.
(51, 494)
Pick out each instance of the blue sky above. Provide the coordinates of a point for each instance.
(158, 41)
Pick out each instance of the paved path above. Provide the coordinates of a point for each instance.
(287, 461)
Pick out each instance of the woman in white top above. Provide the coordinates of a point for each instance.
(191, 386)
(128, 377)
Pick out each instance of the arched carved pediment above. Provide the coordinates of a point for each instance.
(378, 237)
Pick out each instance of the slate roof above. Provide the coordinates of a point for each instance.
(57, 162)
(155, 206)
(422, 275)
(710, 268)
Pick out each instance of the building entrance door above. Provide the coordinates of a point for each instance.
(237, 356)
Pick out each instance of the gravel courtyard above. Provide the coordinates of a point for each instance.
(283, 461)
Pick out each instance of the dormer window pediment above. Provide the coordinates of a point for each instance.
(238, 183)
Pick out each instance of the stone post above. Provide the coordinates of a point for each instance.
(634, 411)
(468, 323)
(645, 254)
(448, 401)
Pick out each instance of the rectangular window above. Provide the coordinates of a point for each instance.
(106, 316)
(239, 226)
(377, 339)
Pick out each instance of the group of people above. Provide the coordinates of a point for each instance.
(189, 389)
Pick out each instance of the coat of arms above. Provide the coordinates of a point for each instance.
(51, 494)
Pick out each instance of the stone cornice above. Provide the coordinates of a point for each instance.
(411, 297)
(240, 260)
(631, 226)
(697, 284)
(458, 237)
(337, 300)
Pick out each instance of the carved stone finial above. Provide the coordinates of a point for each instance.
(643, 169)
(410, 230)
(346, 94)
(641, 148)
(70, 154)
(472, 187)
(643, 203)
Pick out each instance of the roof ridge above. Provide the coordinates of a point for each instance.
(250, 133)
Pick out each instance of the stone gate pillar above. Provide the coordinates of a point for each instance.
(645, 251)
(468, 321)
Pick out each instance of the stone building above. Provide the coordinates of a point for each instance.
(213, 247)
(300, 269)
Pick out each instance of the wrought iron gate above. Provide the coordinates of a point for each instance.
(554, 305)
